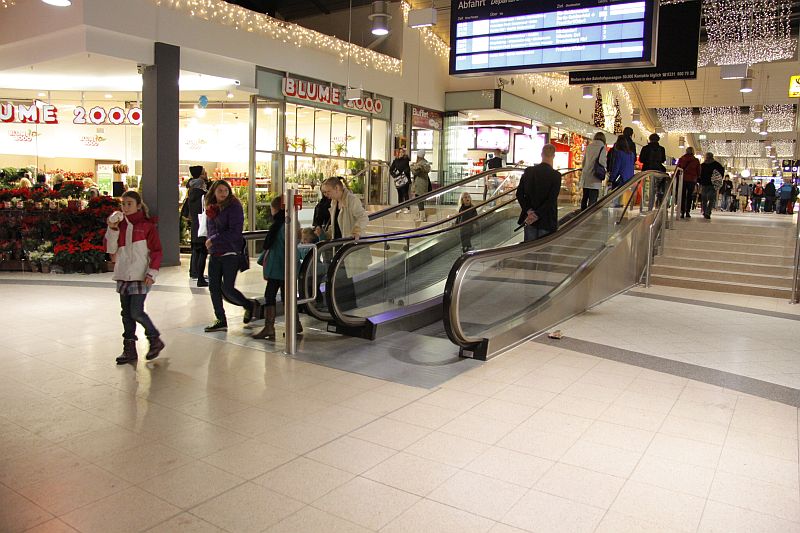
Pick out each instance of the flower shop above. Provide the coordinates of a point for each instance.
(43, 230)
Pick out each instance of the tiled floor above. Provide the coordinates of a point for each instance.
(219, 437)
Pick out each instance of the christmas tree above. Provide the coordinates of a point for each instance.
(599, 118)
(617, 118)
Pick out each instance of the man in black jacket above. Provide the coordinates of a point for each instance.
(192, 207)
(537, 195)
(652, 157)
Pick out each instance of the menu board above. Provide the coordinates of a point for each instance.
(492, 139)
(519, 35)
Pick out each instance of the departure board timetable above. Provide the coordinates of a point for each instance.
(495, 36)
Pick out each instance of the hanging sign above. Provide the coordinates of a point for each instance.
(33, 114)
(794, 87)
(328, 94)
(426, 118)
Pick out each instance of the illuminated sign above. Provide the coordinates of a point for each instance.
(41, 113)
(518, 36)
(794, 87)
(327, 94)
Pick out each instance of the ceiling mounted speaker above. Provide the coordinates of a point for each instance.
(588, 91)
(380, 17)
(636, 116)
(420, 18)
(733, 72)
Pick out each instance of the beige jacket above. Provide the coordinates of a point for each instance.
(352, 215)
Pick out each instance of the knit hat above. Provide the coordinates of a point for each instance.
(195, 171)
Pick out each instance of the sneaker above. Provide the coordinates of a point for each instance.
(218, 325)
(250, 312)
(202, 282)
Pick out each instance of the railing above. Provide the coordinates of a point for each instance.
(796, 273)
(656, 236)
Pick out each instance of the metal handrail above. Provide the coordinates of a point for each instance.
(660, 220)
(458, 272)
(796, 275)
(345, 250)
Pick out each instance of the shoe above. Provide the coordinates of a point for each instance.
(682, 215)
(129, 354)
(688, 215)
(268, 331)
(218, 325)
(707, 217)
(156, 345)
(202, 282)
(251, 312)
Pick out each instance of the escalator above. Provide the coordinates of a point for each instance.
(496, 299)
(377, 286)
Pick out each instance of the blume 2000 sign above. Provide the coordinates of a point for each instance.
(115, 115)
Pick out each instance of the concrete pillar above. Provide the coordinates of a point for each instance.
(160, 131)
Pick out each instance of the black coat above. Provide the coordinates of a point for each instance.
(769, 190)
(401, 165)
(652, 157)
(538, 190)
(194, 206)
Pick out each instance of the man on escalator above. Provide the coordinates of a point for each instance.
(537, 195)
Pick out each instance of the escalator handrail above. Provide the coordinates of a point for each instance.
(256, 234)
(336, 314)
(463, 264)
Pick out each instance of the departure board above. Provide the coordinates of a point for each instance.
(495, 36)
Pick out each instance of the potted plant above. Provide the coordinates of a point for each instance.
(340, 148)
(303, 143)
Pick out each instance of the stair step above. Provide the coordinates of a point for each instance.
(729, 255)
(721, 286)
(696, 244)
(761, 237)
(743, 278)
(723, 265)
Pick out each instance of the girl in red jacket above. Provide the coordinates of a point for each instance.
(133, 237)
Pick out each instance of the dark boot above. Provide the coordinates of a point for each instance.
(129, 354)
(268, 331)
(156, 345)
(299, 325)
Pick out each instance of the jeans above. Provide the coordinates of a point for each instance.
(197, 263)
(222, 271)
(402, 193)
(756, 204)
(726, 201)
(708, 197)
(686, 197)
(769, 204)
(589, 197)
(133, 312)
(532, 233)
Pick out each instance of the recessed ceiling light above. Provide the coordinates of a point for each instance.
(109, 95)
(58, 3)
(558, 123)
(41, 95)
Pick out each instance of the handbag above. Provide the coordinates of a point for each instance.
(202, 222)
(716, 179)
(599, 170)
(400, 180)
(244, 257)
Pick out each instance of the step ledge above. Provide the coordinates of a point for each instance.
(770, 287)
(710, 271)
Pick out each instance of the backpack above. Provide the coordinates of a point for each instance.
(758, 190)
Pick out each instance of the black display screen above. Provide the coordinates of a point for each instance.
(495, 36)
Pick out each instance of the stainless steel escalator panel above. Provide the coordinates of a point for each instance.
(497, 298)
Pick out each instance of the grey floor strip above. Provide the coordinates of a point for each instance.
(96, 285)
(727, 307)
(755, 387)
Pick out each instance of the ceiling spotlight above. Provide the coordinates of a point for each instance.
(41, 95)
(745, 173)
(588, 91)
(380, 17)
(681, 142)
(420, 18)
(747, 85)
(636, 116)
(58, 3)
(763, 130)
(108, 95)
(558, 123)
(229, 94)
(758, 114)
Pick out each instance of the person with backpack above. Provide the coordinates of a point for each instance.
(593, 174)
(757, 195)
(193, 208)
(400, 171)
(421, 170)
(652, 157)
(710, 181)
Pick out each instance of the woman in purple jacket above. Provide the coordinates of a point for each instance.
(225, 222)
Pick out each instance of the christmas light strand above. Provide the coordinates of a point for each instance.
(431, 40)
(746, 31)
(6, 3)
(726, 119)
(239, 18)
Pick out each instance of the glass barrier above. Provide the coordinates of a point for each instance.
(495, 291)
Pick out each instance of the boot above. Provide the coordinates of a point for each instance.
(299, 325)
(156, 345)
(129, 354)
(268, 331)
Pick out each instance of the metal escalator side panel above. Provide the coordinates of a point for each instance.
(492, 276)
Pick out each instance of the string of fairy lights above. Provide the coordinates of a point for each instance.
(726, 119)
(241, 19)
(6, 3)
(434, 43)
